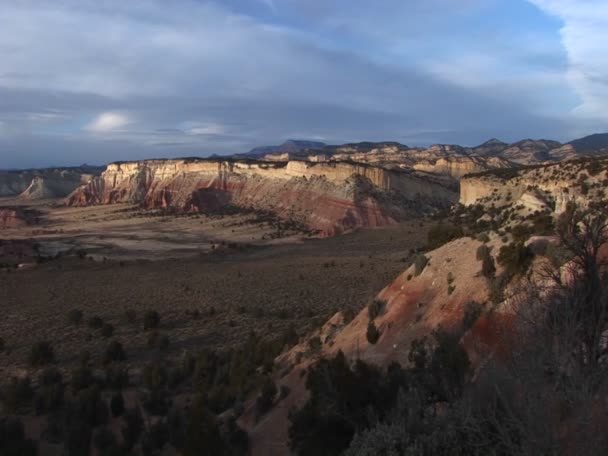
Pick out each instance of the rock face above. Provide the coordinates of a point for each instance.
(442, 160)
(328, 197)
(45, 183)
(538, 188)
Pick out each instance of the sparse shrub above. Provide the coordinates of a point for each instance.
(375, 308)
(151, 320)
(373, 333)
(451, 289)
(114, 352)
(107, 330)
(472, 312)
(420, 262)
(75, 316)
(41, 353)
(95, 322)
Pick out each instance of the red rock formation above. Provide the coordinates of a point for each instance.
(11, 218)
(328, 197)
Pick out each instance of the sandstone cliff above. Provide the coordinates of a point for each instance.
(45, 183)
(328, 197)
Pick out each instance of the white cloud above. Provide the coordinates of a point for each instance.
(584, 36)
(108, 122)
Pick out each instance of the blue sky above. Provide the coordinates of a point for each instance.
(89, 81)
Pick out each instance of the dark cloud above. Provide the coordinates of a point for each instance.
(99, 81)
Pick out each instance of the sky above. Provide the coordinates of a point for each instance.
(92, 81)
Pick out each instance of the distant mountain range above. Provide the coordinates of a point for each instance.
(524, 152)
(289, 146)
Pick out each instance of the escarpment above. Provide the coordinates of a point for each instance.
(45, 183)
(327, 197)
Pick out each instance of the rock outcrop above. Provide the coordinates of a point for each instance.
(45, 183)
(327, 197)
(539, 188)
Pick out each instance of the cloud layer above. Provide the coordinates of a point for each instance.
(88, 81)
(584, 36)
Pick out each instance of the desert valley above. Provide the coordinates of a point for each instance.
(360, 299)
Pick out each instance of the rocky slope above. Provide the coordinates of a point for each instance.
(327, 197)
(538, 188)
(44, 183)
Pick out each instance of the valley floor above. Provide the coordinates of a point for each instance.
(214, 279)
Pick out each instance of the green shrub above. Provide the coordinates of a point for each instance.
(420, 262)
(41, 353)
(375, 308)
(441, 234)
(488, 268)
(472, 312)
(107, 330)
(75, 316)
(483, 251)
(151, 320)
(95, 322)
(117, 404)
(373, 333)
(264, 401)
(130, 316)
(114, 352)
(16, 394)
(12, 438)
(515, 257)
(81, 378)
(483, 237)
(163, 343)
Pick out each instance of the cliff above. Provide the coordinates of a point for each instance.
(45, 183)
(328, 197)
